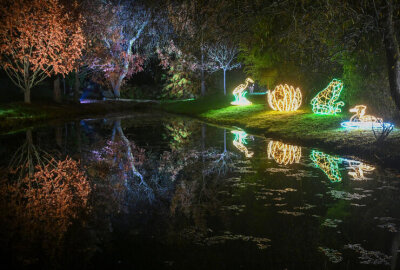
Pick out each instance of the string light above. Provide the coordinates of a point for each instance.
(284, 98)
(328, 164)
(359, 169)
(325, 102)
(240, 141)
(284, 153)
(239, 93)
(362, 121)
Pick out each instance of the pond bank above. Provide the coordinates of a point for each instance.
(17, 116)
(302, 128)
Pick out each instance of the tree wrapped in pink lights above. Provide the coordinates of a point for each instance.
(38, 38)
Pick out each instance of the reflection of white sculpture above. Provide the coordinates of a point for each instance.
(240, 141)
(359, 169)
(239, 93)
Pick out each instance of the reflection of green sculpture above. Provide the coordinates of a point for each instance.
(328, 164)
(325, 102)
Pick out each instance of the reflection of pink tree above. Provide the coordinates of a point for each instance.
(29, 157)
(43, 207)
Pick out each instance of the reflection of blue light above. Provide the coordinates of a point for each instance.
(365, 125)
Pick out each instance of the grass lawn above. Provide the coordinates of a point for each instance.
(301, 127)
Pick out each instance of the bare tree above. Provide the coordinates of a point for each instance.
(223, 57)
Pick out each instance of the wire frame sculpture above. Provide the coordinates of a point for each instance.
(328, 164)
(359, 169)
(284, 154)
(239, 142)
(325, 102)
(285, 98)
(240, 93)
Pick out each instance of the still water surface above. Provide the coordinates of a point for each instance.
(162, 192)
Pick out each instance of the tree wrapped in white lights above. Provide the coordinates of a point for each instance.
(222, 56)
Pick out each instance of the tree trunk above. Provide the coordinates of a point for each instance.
(58, 135)
(117, 87)
(27, 90)
(57, 90)
(392, 54)
(225, 82)
(76, 87)
(203, 83)
(29, 141)
(224, 140)
(27, 95)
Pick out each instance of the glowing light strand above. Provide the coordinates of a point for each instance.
(284, 154)
(359, 169)
(284, 98)
(325, 102)
(239, 93)
(240, 141)
(328, 164)
(362, 121)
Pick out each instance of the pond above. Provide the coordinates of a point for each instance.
(152, 191)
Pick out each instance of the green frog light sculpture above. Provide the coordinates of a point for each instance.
(325, 102)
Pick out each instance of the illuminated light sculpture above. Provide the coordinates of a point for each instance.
(239, 93)
(328, 164)
(284, 98)
(240, 141)
(284, 153)
(359, 169)
(362, 121)
(325, 102)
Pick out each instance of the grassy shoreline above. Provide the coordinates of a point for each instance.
(299, 128)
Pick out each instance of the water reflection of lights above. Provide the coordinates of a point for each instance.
(284, 98)
(240, 141)
(328, 164)
(358, 169)
(284, 153)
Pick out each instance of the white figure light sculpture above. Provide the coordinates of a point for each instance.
(362, 121)
(359, 169)
(239, 93)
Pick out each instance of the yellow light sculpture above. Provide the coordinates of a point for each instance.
(239, 93)
(361, 120)
(284, 153)
(240, 141)
(284, 98)
(328, 164)
(359, 169)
